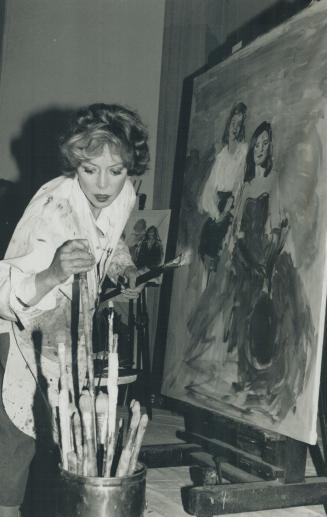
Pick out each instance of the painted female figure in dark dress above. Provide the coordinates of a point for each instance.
(251, 342)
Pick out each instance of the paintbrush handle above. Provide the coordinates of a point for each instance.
(72, 462)
(77, 430)
(123, 465)
(64, 418)
(79, 459)
(138, 442)
(92, 459)
(112, 388)
(64, 411)
(101, 409)
(84, 290)
(119, 446)
(110, 329)
(109, 455)
(89, 460)
(141, 279)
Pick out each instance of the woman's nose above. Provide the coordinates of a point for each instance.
(102, 180)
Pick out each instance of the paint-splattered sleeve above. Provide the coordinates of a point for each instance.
(30, 251)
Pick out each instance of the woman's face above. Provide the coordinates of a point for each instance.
(102, 178)
(151, 234)
(261, 147)
(235, 126)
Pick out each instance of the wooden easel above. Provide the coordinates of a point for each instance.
(236, 467)
(259, 471)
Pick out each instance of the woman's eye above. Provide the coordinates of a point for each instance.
(88, 171)
(116, 172)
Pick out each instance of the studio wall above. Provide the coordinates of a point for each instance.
(60, 55)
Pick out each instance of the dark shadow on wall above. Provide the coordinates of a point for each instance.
(36, 152)
(11, 207)
(36, 149)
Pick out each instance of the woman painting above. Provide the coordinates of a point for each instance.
(72, 225)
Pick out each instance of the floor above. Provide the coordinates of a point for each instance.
(163, 485)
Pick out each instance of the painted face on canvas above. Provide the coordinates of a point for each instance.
(261, 147)
(102, 178)
(235, 126)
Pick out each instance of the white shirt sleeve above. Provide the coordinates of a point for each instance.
(16, 288)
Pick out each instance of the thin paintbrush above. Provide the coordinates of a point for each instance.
(119, 446)
(101, 409)
(137, 444)
(78, 441)
(112, 386)
(182, 259)
(123, 465)
(89, 450)
(64, 408)
(84, 290)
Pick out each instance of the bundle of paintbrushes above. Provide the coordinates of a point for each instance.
(91, 443)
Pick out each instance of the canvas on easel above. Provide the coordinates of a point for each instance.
(246, 323)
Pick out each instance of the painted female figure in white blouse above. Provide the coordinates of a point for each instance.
(221, 190)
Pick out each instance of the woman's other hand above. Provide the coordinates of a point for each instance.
(131, 292)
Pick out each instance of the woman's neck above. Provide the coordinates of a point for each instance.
(232, 146)
(95, 211)
(259, 171)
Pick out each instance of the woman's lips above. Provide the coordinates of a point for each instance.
(102, 198)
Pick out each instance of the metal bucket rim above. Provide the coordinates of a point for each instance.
(104, 481)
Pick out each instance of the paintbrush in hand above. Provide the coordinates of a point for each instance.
(182, 259)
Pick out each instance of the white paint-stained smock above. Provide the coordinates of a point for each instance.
(58, 212)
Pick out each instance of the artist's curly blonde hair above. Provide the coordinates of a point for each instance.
(99, 124)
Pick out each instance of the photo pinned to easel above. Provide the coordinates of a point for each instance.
(146, 235)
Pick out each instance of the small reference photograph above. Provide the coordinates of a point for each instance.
(146, 235)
